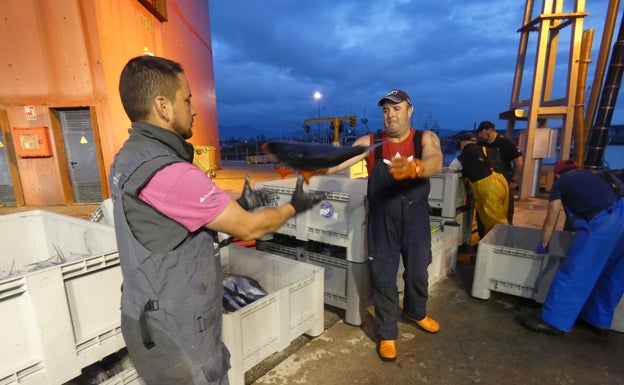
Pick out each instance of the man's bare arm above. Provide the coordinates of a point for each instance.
(432, 157)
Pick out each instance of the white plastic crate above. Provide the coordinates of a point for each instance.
(443, 258)
(37, 340)
(104, 213)
(443, 255)
(347, 284)
(506, 263)
(93, 290)
(339, 220)
(448, 192)
(128, 377)
(31, 237)
(283, 189)
(294, 306)
(59, 317)
(463, 220)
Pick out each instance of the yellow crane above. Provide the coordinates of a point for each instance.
(335, 125)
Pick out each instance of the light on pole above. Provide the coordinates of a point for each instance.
(318, 96)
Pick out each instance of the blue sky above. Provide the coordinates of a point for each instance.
(455, 59)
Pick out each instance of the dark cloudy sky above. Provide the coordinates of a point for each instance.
(455, 58)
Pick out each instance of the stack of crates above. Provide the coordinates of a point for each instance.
(331, 235)
(60, 292)
(451, 204)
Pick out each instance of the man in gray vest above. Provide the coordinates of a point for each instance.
(167, 213)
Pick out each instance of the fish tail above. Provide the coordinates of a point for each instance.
(373, 146)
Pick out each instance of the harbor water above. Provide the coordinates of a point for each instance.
(614, 157)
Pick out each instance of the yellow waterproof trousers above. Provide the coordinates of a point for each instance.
(491, 198)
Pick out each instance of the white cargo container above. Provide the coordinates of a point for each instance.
(507, 264)
(293, 306)
(447, 193)
(443, 258)
(56, 317)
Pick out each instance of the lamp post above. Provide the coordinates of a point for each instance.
(318, 96)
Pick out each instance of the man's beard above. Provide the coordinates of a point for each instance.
(185, 134)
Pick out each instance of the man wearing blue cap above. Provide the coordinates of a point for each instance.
(398, 226)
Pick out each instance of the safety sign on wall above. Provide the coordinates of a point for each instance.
(30, 112)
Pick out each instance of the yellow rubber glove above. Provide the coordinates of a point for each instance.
(403, 168)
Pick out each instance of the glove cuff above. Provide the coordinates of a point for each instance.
(417, 168)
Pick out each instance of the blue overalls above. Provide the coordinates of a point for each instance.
(590, 279)
(398, 227)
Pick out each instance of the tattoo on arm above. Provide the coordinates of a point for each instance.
(434, 142)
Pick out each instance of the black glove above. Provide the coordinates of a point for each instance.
(302, 201)
(251, 199)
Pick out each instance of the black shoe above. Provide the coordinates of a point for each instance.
(536, 324)
(602, 332)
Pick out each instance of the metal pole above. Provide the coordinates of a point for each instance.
(319, 123)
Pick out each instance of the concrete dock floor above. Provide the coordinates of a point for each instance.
(480, 341)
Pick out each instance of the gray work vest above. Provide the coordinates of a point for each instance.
(171, 301)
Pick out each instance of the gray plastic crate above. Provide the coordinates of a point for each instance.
(293, 306)
(347, 284)
(448, 192)
(60, 304)
(506, 262)
(339, 220)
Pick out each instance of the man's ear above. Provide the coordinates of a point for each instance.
(162, 107)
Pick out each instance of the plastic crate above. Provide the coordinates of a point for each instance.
(294, 306)
(283, 190)
(104, 213)
(93, 291)
(59, 317)
(448, 192)
(506, 263)
(37, 340)
(128, 377)
(443, 258)
(347, 284)
(463, 220)
(339, 220)
(282, 245)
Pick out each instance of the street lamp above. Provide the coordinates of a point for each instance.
(318, 96)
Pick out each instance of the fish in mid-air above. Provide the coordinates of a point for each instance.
(312, 156)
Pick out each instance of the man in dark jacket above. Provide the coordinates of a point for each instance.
(167, 213)
(588, 284)
(489, 188)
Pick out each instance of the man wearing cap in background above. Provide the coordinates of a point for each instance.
(398, 225)
(489, 188)
(589, 282)
(508, 160)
